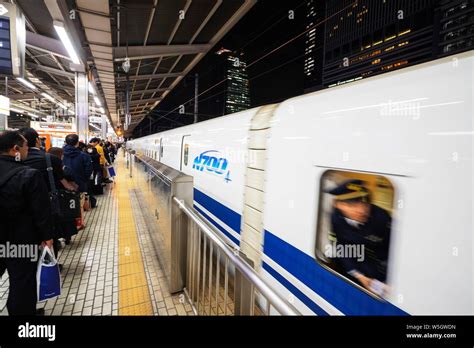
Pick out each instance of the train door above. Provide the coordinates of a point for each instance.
(184, 152)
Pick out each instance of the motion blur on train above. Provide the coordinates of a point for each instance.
(354, 200)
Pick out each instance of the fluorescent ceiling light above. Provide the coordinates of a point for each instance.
(26, 83)
(102, 110)
(91, 88)
(97, 101)
(59, 26)
(44, 119)
(62, 106)
(47, 96)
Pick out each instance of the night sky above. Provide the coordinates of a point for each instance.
(272, 79)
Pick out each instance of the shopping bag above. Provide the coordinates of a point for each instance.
(47, 276)
(87, 203)
(111, 171)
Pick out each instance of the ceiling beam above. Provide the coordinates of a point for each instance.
(150, 76)
(145, 91)
(46, 44)
(50, 70)
(144, 101)
(24, 96)
(155, 51)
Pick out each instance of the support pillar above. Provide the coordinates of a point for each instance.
(103, 129)
(82, 106)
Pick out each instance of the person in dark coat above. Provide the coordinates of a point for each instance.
(358, 223)
(37, 159)
(81, 168)
(79, 163)
(95, 157)
(66, 228)
(95, 184)
(25, 220)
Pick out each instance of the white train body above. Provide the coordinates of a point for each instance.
(264, 194)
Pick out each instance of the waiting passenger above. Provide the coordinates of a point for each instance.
(37, 159)
(25, 220)
(95, 183)
(358, 223)
(106, 147)
(103, 162)
(81, 168)
(65, 228)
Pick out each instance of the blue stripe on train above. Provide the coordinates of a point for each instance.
(342, 295)
(225, 214)
(218, 225)
(294, 290)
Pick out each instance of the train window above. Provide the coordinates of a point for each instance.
(354, 226)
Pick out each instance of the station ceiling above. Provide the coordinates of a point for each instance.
(163, 39)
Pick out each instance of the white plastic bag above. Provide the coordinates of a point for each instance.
(48, 279)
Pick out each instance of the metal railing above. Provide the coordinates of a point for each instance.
(219, 281)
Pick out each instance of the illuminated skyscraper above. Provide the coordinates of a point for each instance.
(314, 43)
(371, 37)
(237, 94)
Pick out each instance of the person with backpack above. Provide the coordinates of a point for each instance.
(25, 220)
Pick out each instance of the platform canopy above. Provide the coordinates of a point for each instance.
(162, 39)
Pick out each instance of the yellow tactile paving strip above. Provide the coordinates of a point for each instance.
(134, 296)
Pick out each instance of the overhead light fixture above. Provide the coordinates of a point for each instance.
(47, 96)
(26, 83)
(91, 88)
(59, 26)
(102, 111)
(97, 101)
(44, 119)
(62, 106)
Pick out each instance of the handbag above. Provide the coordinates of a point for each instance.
(65, 204)
(111, 171)
(48, 279)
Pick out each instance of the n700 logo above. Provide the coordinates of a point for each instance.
(213, 164)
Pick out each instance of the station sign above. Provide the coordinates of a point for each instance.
(54, 126)
(12, 40)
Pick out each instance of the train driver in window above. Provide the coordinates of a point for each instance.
(362, 233)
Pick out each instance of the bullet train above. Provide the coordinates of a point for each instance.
(261, 178)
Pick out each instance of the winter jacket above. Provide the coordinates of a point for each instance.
(37, 159)
(80, 165)
(25, 213)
